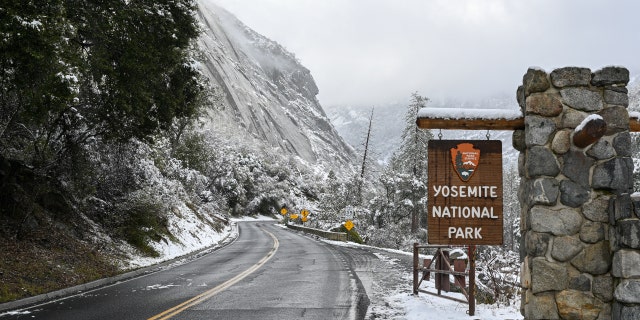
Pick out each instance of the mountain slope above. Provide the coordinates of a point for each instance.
(268, 93)
(388, 123)
(386, 128)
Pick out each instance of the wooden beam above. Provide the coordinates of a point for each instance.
(491, 124)
(470, 124)
(634, 123)
(590, 132)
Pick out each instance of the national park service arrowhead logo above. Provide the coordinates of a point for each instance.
(465, 159)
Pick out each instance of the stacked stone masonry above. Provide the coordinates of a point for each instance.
(580, 219)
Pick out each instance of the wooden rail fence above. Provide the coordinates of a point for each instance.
(441, 267)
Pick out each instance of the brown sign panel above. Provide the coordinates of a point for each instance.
(465, 192)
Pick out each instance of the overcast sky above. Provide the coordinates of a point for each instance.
(371, 52)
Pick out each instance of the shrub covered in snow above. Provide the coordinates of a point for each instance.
(497, 275)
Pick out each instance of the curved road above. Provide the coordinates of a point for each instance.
(266, 273)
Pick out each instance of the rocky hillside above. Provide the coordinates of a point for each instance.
(267, 92)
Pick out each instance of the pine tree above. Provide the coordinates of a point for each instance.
(412, 159)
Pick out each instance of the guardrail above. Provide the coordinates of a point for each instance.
(336, 236)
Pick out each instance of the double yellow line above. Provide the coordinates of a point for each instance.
(210, 293)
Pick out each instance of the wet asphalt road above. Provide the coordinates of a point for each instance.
(267, 273)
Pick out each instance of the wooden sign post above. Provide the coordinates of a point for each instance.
(465, 192)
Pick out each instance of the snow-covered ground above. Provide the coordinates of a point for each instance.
(429, 307)
(391, 297)
(193, 235)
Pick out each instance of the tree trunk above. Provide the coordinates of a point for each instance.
(364, 158)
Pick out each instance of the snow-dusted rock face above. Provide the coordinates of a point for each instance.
(267, 91)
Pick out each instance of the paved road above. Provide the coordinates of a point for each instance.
(267, 273)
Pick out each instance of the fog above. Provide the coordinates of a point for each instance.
(371, 52)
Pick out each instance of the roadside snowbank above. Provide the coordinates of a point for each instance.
(398, 302)
(193, 233)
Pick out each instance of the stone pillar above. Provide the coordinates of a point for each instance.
(577, 214)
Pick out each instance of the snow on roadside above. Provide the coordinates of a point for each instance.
(400, 303)
(256, 218)
(426, 306)
(192, 234)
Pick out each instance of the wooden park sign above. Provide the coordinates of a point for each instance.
(465, 192)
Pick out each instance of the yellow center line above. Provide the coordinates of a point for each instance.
(212, 292)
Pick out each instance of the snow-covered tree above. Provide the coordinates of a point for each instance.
(511, 208)
(73, 71)
(411, 159)
(398, 206)
(635, 154)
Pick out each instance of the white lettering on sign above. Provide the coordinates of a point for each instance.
(466, 191)
(463, 212)
(465, 233)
